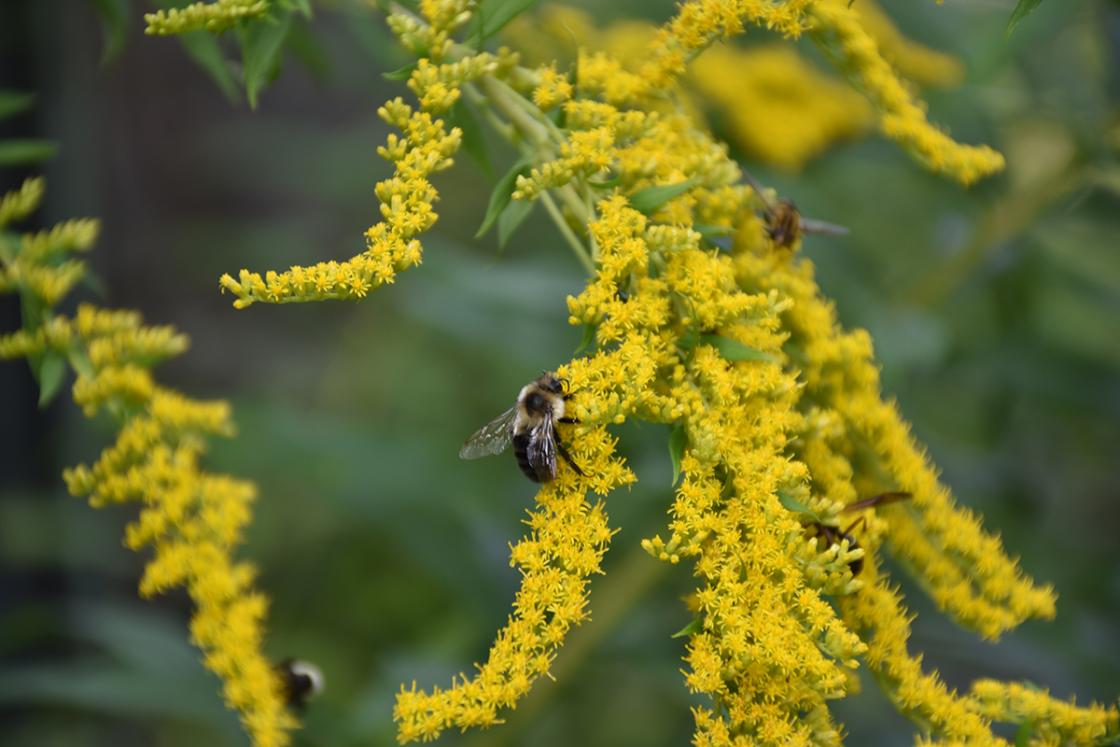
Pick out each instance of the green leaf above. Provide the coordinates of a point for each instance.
(474, 141)
(614, 181)
(16, 152)
(1022, 10)
(309, 51)
(792, 504)
(14, 102)
(678, 439)
(649, 199)
(689, 340)
(1023, 734)
(261, 47)
(401, 73)
(708, 231)
(52, 371)
(203, 48)
(500, 196)
(796, 506)
(492, 16)
(115, 17)
(303, 6)
(692, 628)
(588, 338)
(511, 219)
(733, 350)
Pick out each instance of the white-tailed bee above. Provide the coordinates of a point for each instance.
(300, 681)
(530, 425)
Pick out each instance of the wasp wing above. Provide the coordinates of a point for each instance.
(808, 225)
(542, 451)
(492, 438)
(877, 500)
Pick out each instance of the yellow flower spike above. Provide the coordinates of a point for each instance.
(911, 59)
(902, 117)
(877, 614)
(214, 17)
(190, 518)
(564, 548)
(1048, 721)
(18, 204)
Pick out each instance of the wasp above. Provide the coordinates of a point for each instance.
(784, 223)
(835, 536)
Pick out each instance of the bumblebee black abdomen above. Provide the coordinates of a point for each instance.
(521, 450)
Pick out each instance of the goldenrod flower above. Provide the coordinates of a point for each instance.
(192, 519)
(215, 17)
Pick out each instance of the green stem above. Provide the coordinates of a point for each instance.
(567, 232)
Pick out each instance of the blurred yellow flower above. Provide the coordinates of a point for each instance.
(192, 519)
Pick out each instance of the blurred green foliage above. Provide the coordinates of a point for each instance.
(995, 312)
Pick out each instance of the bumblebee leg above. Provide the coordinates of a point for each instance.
(564, 453)
(570, 421)
(858, 522)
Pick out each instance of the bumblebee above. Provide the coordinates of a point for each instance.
(835, 536)
(530, 425)
(300, 682)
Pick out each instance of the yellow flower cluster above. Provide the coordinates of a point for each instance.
(552, 90)
(214, 17)
(805, 110)
(425, 147)
(567, 539)
(777, 107)
(193, 519)
(902, 116)
(1051, 722)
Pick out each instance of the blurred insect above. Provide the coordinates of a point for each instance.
(835, 536)
(530, 425)
(300, 680)
(784, 224)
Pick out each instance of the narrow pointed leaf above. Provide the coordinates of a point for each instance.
(1022, 10)
(733, 350)
(493, 15)
(511, 219)
(261, 46)
(52, 371)
(401, 73)
(649, 199)
(691, 629)
(588, 339)
(678, 439)
(500, 197)
(474, 141)
(14, 102)
(16, 152)
(115, 18)
(203, 48)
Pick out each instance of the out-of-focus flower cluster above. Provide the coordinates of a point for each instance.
(192, 519)
(214, 17)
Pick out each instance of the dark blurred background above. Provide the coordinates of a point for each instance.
(995, 312)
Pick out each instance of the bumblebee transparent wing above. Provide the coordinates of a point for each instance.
(492, 438)
(808, 225)
(542, 451)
